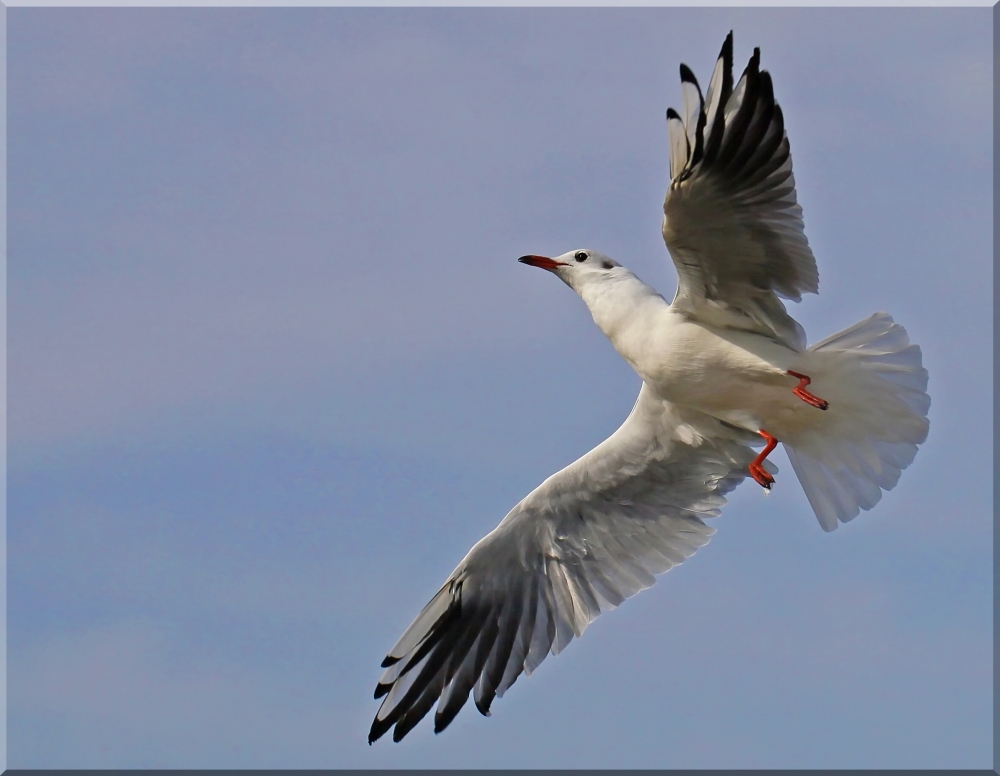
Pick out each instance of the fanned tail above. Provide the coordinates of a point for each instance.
(877, 389)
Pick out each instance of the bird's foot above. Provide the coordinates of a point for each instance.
(809, 398)
(762, 478)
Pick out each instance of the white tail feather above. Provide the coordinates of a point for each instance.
(876, 386)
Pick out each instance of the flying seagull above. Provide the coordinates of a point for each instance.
(724, 367)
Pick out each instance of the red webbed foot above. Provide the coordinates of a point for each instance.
(809, 398)
(762, 478)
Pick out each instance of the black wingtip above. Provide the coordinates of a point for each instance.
(389, 660)
(687, 76)
(483, 705)
(727, 48)
(382, 689)
(672, 114)
(399, 732)
(379, 727)
(767, 88)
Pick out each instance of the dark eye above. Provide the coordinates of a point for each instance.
(581, 256)
(607, 265)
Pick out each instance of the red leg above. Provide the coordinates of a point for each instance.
(763, 479)
(800, 391)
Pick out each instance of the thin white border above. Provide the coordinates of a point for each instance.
(500, 3)
(297, 4)
(3, 387)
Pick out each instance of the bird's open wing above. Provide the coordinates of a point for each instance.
(586, 539)
(730, 219)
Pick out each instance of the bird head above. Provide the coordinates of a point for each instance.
(576, 268)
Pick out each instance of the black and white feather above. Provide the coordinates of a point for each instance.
(731, 220)
(586, 539)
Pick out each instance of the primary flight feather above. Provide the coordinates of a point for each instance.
(724, 367)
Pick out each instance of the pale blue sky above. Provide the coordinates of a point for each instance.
(274, 369)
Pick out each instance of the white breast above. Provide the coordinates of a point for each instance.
(737, 376)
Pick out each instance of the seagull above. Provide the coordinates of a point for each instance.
(724, 368)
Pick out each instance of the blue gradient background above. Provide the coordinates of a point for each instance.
(274, 369)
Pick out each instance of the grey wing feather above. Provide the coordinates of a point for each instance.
(731, 219)
(586, 539)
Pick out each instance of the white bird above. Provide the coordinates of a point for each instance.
(723, 367)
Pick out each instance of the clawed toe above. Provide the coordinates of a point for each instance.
(809, 398)
(762, 478)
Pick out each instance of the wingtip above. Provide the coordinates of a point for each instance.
(399, 733)
(727, 48)
(377, 731)
(484, 707)
(687, 76)
(766, 86)
(389, 660)
(672, 114)
(441, 722)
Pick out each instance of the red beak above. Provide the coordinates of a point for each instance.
(542, 261)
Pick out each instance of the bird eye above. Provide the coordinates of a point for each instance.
(581, 256)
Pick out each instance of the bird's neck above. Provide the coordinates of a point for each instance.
(623, 307)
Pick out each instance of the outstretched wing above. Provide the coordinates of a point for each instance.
(586, 539)
(730, 219)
